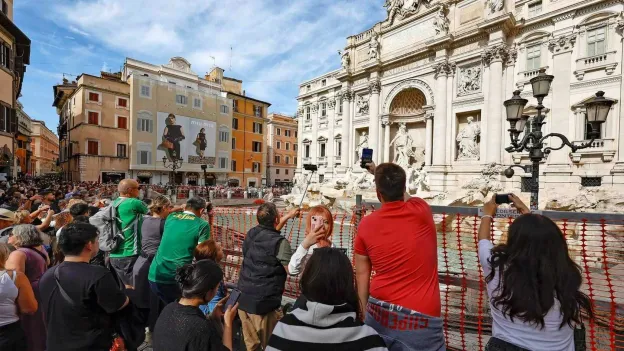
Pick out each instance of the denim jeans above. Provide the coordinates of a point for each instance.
(168, 293)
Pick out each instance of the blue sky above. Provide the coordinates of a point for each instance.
(276, 44)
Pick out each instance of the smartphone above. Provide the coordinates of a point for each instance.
(317, 221)
(234, 296)
(502, 199)
(367, 157)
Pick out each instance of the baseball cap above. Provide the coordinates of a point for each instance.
(7, 215)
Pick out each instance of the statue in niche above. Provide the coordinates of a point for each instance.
(467, 141)
(361, 146)
(441, 22)
(469, 80)
(494, 5)
(345, 59)
(362, 105)
(373, 47)
(403, 147)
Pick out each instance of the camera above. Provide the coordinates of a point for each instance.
(312, 168)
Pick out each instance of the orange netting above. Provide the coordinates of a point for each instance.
(597, 246)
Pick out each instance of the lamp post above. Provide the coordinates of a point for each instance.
(173, 165)
(597, 109)
(204, 167)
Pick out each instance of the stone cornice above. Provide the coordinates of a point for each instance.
(596, 82)
(466, 102)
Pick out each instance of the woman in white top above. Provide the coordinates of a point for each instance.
(532, 283)
(16, 297)
(318, 232)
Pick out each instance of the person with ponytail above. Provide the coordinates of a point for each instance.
(182, 326)
(318, 232)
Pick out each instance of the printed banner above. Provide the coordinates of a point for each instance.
(190, 139)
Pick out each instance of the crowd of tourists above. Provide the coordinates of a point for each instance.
(86, 267)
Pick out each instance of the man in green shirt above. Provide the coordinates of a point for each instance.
(183, 231)
(130, 211)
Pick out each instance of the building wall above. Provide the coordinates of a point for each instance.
(281, 170)
(45, 145)
(243, 155)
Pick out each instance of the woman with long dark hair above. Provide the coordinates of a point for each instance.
(533, 284)
(173, 133)
(327, 315)
(200, 142)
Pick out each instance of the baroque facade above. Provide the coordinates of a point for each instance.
(425, 87)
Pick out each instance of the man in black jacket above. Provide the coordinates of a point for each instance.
(266, 254)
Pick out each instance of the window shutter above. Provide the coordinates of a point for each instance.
(138, 124)
(12, 120)
(151, 126)
(260, 125)
(10, 58)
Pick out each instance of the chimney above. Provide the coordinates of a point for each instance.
(243, 93)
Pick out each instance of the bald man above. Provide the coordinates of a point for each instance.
(130, 211)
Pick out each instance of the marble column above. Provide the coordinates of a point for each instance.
(494, 57)
(300, 138)
(347, 96)
(619, 165)
(331, 105)
(428, 138)
(373, 119)
(440, 126)
(315, 124)
(508, 93)
(561, 48)
(386, 140)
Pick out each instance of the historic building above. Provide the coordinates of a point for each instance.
(282, 144)
(23, 151)
(426, 87)
(45, 146)
(94, 117)
(175, 115)
(14, 56)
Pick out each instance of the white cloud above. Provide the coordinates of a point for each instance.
(105, 67)
(276, 43)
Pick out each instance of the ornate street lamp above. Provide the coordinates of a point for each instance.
(174, 165)
(204, 167)
(533, 141)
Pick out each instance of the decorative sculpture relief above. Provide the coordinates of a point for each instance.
(363, 144)
(331, 103)
(403, 147)
(445, 68)
(494, 5)
(494, 54)
(401, 8)
(374, 86)
(374, 47)
(469, 80)
(345, 59)
(315, 107)
(562, 43)
(468, 141)
(362, 105)
(441, 22)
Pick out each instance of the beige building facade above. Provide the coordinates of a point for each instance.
(45, 146)
(282, 132)
(178, 116)
(94, 121)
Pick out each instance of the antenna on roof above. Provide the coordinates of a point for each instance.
(214, 62)
(231, 58)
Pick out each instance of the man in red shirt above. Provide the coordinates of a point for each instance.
(399, 243)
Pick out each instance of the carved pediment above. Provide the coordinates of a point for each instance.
(180, 64)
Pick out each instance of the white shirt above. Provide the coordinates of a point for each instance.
(299, 258)
(519, 333)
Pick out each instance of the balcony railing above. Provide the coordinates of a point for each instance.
(606, 61)
(605, 148)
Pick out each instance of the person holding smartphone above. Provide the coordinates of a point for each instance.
(318, 232)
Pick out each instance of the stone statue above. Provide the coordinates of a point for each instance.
(495, 5)
(417, 179)
(441, 22)
(393, 7)
(361, 146)
(469, 80)
(345, 59)
(403, 147)
(402, 8)
(373, 47)
(467, 141)
(362, 105)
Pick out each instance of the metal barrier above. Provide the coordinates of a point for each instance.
(596, 243)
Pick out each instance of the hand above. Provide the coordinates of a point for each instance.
(44, 208)
(50, 213)
(217, 312)
(293, 213)
(518, 204)
(371, 167)
(489, 208)
(36, 197)
(313, 237)
(230, 315)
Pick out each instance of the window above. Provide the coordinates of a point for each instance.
(172, 82)
(287, 161)
(533, 57)
(340, 107)
(145, 125)
(258, 111)
(225, 109)
(197, 103)
(224, 136)
(295, 147)
(324, 82)
(144, 157)
(93, 117)
(287, 146)
(591, 181)
(257, 128)
(146, 91)
(307, 150)
(233, 143)
(277, 171)
(588, 130)
(535, 9)
(322, 150)
(122, 122)
(308, 113)
(279, 145)
(256, 167)
(323, 109)
(94, 97)
(596, 41)
(296, 133)
(4, 117)
(295, 160)
(121, 102)
(287, 132)
(93, 147)
(121, 150)
(233, 166)
(223, 162)
(278, 131)
(235, 105)
(235, 123)
(321, 178)
(256, 146)
(525, 184)
(286, 171)
(6, 56)
(338, 147)
(181, 99)
(278, 159)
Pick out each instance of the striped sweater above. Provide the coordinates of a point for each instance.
(313, 326)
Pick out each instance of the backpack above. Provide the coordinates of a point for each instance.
(109, 226)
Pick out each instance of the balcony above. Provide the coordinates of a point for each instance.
(605, 148)
(525, 76)
(606, 61)
(321, 161)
